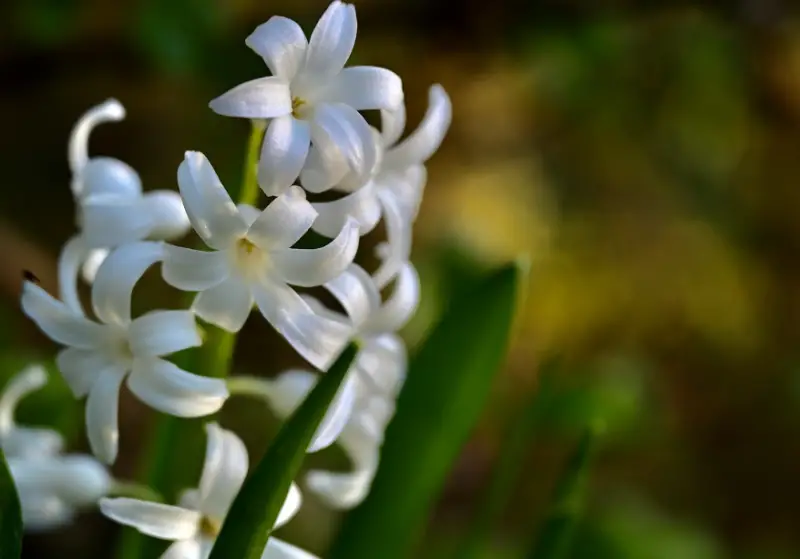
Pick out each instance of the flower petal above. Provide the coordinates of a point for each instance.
(283, 154)
(294, 499)
(287, 218)
(340, 133)
(58, 322)
(356, 292)
(169, 389)
(260, 98)
(169, 219)
(101, 414)
(320, 174)
(224, 470)
(194, 270)
(226, 305)
(311, 267)
(209, 206)
(92, 263)
(336, 417)
(331, 41)
(397, 249)
(366, 88)
(425, 140)
(117, 276)
(166, 522)
(185, 549)
(281, 43)
(279, 549)
(317, 339)
(29, 379)
(109, 110)
(361, 205)
(401, 305)
(108, 176)
(340, 491)
(73, 254)
(393, 122)
(110, 220)
(160, 333)
(249, 213)
(80, 368)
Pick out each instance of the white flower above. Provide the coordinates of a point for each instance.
(195, 524)
(395, 190)
(111, 207)
(252, 261)
(51, 487)
(365, 403)
(100, 354)
(312, 99)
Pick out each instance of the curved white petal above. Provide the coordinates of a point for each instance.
(331, 41)
(194, 270)
(185, 549)
(101, 414)
(425, 140)
(336, 417)
(224, 470)
(283, 154)
(281, 43)
(340, 133)
(356, 292)
(393, 123)
(110, 110)
(161, 521)
(292, 504)
(167, 214)
(317, 339)
(361, 205)
(381, 365)
(92, 263)
(402, 303)
(28, 380)
(249, 213)
(160, 333)
(226, 305)
(321, 173)
(72, 255)
(311, 267)
(279, 549)
(287, 391)
(81, 480)
(110, 220)
(80, 368)
(287, 218)
(210, 209)
(260, 98)
(108, 176)
(399, 237)
(117, 276)
(340, 490)
(42, 513)
(169, 389)
(58, 322)
(366, 88)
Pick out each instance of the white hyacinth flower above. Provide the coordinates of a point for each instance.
(51, 487)
(111, 207)
(312, 100)
(100, 354)
(364, 405)
(396, 187)
(195, 524)
(252, 261)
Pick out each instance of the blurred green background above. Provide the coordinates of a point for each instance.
(647, 156)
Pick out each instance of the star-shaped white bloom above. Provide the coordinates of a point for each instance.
(252, 261)
(195, 524)
(395, 189)
(312, 99)
(51, 486)
(364, 405)
(111, 207)
(100, 354)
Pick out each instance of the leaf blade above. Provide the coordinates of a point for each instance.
(10, 514)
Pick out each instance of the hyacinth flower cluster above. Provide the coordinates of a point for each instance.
(310, 138)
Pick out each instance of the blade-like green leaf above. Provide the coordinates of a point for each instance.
(448, 383)
(555, 537)
(252, 516)
(10, 515)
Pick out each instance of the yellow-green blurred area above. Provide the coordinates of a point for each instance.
(646, 155)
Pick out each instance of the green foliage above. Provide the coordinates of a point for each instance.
(448, 383)
(10, 515)
(255, 510)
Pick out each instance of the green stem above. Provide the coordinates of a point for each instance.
(248, 193)
(134, 490)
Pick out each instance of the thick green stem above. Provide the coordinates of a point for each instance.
(134, 490)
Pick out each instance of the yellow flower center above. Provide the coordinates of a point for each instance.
(248, 259)
(297, 107)
(210, 527)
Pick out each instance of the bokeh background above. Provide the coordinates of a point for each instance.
(646, 155)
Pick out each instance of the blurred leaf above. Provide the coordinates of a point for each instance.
(47, 22)
(448, 383)
(10, 514)
(556, 535)
(253, 514)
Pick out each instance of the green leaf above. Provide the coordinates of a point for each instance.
(556, 536)
(10, 515)
(252, 516)
(448, 383)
